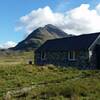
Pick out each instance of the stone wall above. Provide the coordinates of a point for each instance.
(60, 58)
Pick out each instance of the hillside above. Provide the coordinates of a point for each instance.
(39, 36)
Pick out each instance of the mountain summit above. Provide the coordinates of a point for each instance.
(39, 36)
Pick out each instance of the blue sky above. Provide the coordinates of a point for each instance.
(12, 10)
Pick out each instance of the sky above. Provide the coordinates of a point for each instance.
(18, 18)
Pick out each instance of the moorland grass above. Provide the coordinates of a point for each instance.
(52, 83)
(57, 83)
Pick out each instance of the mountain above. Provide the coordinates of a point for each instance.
(39, 36)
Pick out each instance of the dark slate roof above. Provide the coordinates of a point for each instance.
(81, 42)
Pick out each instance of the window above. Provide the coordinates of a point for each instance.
(43, 56)
(71, 55)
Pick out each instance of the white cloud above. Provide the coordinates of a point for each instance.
(98, 8)
(38, 18)
(82, 20)
(8, 44)
(76, 21)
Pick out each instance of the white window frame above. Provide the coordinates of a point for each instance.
(74, 55)
(90, 54)
(43, 55)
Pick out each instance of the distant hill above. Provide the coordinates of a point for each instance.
(39, 36)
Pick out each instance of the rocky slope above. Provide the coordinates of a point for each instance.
(39, 36)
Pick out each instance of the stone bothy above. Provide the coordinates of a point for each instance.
(81, 51)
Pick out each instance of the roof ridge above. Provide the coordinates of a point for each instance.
(75, 36)
(81, 42)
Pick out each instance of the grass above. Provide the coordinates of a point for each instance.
(50, 82)
(10, 58)
(57, 83)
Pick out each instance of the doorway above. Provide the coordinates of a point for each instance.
(97, 56)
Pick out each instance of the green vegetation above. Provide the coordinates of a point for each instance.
(49, 82)
(54, 83)
(12, 57)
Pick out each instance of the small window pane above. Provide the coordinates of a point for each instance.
(71, 55)
(43, 55)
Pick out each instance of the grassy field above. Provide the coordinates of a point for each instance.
(10, 58)
(47, 82)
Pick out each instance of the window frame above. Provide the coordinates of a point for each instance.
(90, 54)
(43, 56)
(73, 58)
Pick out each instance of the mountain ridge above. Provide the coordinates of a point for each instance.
(39, 36)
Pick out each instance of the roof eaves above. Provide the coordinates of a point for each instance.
(92, 45)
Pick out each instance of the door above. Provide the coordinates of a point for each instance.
(98, 56)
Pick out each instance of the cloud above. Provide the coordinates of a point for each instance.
(82, 20)
(38, 18)
(76, 21)
(8, 44)
(98, 8)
